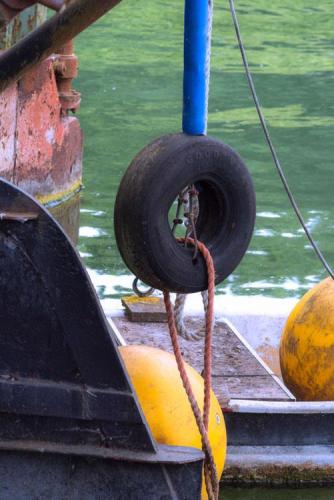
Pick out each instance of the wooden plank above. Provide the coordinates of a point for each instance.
(262, 388)
(237, 373)
(230, 356)
(144, 309)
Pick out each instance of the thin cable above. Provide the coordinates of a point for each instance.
(270, 144)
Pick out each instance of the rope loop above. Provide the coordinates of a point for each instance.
(179, 305)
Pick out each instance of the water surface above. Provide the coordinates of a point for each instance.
(277, 494)
(131, 81)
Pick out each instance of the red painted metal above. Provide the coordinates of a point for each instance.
(41, 145)
(66, 68)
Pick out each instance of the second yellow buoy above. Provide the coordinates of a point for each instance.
(307, 345)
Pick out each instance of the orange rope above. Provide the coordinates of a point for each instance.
(210, 470)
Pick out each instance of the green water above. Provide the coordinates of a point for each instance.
(277, 494)
(131, 80)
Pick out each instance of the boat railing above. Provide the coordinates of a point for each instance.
(50, 37)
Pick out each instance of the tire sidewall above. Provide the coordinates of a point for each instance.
(157, 175)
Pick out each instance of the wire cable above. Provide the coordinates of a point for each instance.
(271, 146)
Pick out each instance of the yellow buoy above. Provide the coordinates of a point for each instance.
(307, 345)
(159, 388)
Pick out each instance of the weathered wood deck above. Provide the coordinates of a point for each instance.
(238, 372)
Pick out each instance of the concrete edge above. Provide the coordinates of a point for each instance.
(279, 466)
(293, 407)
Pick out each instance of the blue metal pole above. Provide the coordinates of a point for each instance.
(197, 45)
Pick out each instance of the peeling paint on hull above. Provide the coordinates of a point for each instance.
(40, 146)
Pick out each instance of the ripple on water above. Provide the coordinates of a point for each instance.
(139, 53)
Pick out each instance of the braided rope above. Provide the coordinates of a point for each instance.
(210, 470)
(182, 330)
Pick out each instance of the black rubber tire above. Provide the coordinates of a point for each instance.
(147, 191)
